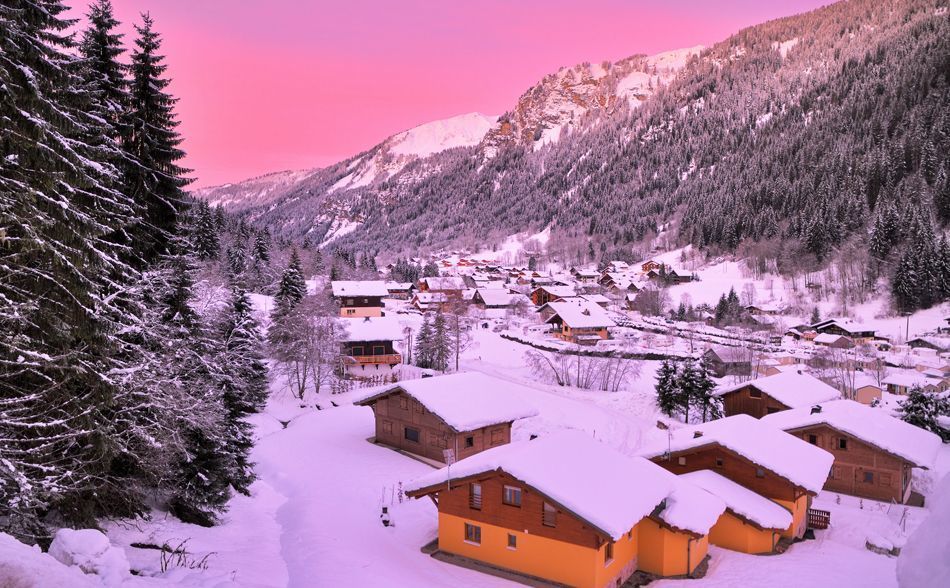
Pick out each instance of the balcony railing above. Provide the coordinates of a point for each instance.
(818, 519)
(387, 358)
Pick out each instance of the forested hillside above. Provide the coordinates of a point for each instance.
(793, 138)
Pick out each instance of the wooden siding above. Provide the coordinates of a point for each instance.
(526, 518)
(741, 402)
(848, 473)
(735, 467)
(399, 411)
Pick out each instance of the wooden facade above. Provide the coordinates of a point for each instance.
(860, 469)
(360, 306)
(404, 423)
(369, 357)
(722, 367)
(751, 401)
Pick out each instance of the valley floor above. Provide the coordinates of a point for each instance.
(313, 519)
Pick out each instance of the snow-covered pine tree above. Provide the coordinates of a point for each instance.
(57, 209)
(424, 340)
(441, 342)
(703, 398)
(100, 48)
(244, 383)
(667, 397)
(206, 241)
(924, 409)
(153, 177)
(687, 386)
(292, 286)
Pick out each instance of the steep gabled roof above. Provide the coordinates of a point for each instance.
(465, 401)
(610, 491)
(371, 288)
(870, 425)
(797, 461)
(580, 313)
(793, 389)
(741, 501)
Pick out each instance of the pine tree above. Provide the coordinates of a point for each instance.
(100, 48)
(667, 396)
(441, 342)
(687, 387)
(153, 177)
(261, 251)
(58, 207)
(205, 241)
(424, 340)
(815, 316)
(703, 397)
(923, 409)
(292, 286)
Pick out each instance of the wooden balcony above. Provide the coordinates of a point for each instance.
(384, 359)
(818, 519)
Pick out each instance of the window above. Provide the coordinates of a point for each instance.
(549, 515)
(868, 477)
(470, 441)
(403, 403)
(512, 541)
(511, 496)
(473, 534)
(387, 427)
(379, 349)
(681, 461)
(813, 439)
(718, 462)
(475, 496)
(755, 393)
(411, 434)
(357, 350)
(842, 443)
(350, 311)
(608, 553)
(759, 473)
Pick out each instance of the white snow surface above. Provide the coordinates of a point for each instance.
(609, 490)
(791, 458)
(580, 313)
(464, 130)
(377, 328)
(740, 500)
(924, 561)
(25, 566)
(465, 401)
(90, 551)
(791, 388)
(874, 426)
(691, 508)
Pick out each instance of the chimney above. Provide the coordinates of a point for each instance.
(816, 409)
(697, 434)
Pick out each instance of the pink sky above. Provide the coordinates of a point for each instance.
(291, 84)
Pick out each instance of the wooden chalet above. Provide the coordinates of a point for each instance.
(728, 361)
(369, 348)
(758, 457)
(466, 412)
(520, 508)
(359, 299)
(400, 290)
(875, 453)
(544, 294)
(579, 321)
(833, 341)
(782, 391)
(451, 286)
(856, 332)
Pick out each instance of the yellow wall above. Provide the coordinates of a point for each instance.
(799, 510)
(360, 311)
(663, 552)
(733, 533)
(538, 556)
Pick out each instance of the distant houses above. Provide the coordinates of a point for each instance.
(875, 453)
(579, 321)
(545, 294)
(728, 361)
(359, 299)
(782, 391)
(466, 412)
(568, 510)
(369, 347)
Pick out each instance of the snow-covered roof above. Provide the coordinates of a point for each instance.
(909, 378)
(610, 491)
(465, 401)
(559, 291)
(596, 298)
(691, 508)
(580, 313)
(399, 286)
(359, 288)
(828, 338)
(792, 388)
(373, 329)
(445, 283)
(871, 425)
(740, 500)
(493, 297)
(795, 460)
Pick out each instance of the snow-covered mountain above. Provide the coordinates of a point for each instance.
(556, 102)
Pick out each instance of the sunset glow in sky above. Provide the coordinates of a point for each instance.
(291, 84)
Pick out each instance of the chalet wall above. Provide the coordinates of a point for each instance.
(741, 401)
(731, 532)
(397, 412)
(888, 473)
